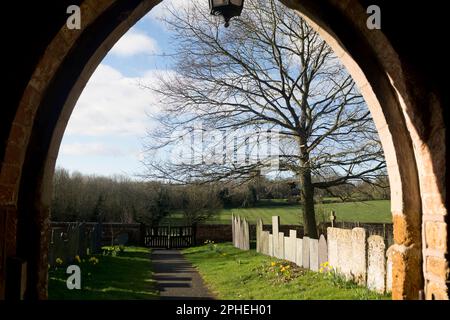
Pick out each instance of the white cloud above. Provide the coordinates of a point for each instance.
(90, 149)
(134, 42)
(113, 104)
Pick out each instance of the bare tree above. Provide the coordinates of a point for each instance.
(268, 71)
(200, 203)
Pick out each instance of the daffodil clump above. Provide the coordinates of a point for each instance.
(59, 261)
(94, 260)
(283, 271)
(211, 245)
(325, 267)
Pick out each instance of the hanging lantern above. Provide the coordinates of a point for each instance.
(226, 8)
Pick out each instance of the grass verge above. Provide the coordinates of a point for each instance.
(234, 274)
(125, 276)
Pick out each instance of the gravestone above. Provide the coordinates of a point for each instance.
(376, 271)
(389, 256)
(265, 242)
(239, 232)
(259, 229)
(345, 254)
(275, 231)
(332, 247)
(280, 245)
(359, 256)
(270, 253)
(299, 253)
(314, 254)
(233, 231)
(246, 232)
(323, 250)
(305, 254)
(291, 246)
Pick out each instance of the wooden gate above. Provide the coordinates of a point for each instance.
(169, 237)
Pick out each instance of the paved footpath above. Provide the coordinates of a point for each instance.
(176, 278)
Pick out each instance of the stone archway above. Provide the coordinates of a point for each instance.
(413, 139)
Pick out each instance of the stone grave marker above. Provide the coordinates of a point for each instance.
(389, 256)
(314, 254)
(359, 256)
(265, 242)
(246, 232)
(323, 250)
(270, 245)
(280, 245)
(259, 229)
(233, 232)
(376, 271)
(299, 252)
(345, 254)
(275, 234)
(332, 247)
(291, 246)
(305, 254)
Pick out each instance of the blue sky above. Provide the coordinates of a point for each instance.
(105, 133)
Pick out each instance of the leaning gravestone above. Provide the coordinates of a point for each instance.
(299, 253)
(376, 271)
(305, 250)
(314, 254)
(359, 256)
(323, 250)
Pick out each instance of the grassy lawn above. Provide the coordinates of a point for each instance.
(367, 211)
(125, 276)
(235, 274)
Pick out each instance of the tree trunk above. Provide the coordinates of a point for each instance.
(307, 199)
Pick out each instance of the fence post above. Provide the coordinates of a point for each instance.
(194, 234)
(142, 234)
(98, 237)
(82, 248)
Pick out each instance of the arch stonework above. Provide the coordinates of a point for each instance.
(414, 143)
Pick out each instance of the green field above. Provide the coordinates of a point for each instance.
(125, 276)
(367, 211)
(235, 274)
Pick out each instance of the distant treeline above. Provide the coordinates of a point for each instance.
(79, 197)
